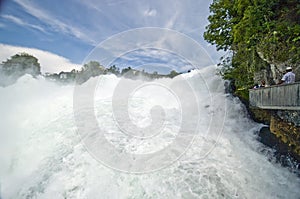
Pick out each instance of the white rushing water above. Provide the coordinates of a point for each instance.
(42, 155)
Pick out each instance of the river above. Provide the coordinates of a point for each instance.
(52, 146)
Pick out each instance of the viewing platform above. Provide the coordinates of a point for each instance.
(277, 97)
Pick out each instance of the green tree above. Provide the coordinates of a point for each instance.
(114, 70)
(173, 73)
(21, 64)
(256, 33)
(90, 69)
(17, 66)
(93, 68)
(126, 70)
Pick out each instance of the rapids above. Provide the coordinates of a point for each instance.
(42, 155)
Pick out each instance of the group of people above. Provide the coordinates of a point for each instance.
(263, 84)
(288, 78)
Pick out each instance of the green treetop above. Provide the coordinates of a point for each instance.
(256, 33)
(21, 64)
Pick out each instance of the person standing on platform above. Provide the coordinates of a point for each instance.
(288, 77)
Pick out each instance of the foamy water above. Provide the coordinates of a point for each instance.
(42, 155)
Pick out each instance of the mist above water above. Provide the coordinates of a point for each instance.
(42, 154)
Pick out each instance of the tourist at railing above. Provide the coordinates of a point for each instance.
(288, 77)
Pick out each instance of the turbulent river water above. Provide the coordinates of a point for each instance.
(42, 154)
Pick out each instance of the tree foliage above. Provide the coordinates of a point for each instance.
(256, 33)
(17, 66)
(21, 64)
(114, 70)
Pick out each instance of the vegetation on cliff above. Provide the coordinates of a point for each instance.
(254, 34)
(259, 38)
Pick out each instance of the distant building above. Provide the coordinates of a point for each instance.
(63, 75)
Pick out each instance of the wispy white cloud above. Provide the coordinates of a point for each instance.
(94, 21)
(105, 18)
(152, 46)
(22, 23)
(115, 3)
(150, 12)
(124, 15)
(154, 59)
(110, 17)
(51, 20)
(49, 62)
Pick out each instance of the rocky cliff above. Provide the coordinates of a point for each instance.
(284, 125)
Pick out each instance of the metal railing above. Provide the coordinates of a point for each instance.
(281, 97)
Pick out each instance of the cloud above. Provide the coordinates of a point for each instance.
(150, 12)
(20, 22)
(152, 46)
(183, 16)
(92, 22)
(49, 62)
(52, 21)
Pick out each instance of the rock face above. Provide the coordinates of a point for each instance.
(284, 125)
(280, 70)
(287, 132)
(17, 66)
(274, 73)
(292, 117)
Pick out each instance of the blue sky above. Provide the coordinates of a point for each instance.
(67, 31)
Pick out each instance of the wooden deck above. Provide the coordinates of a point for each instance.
(279, 97)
